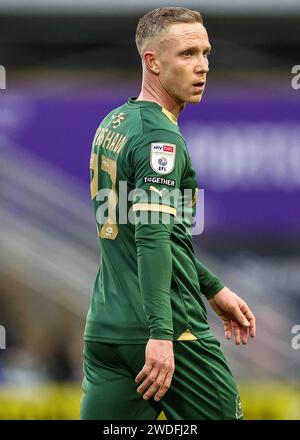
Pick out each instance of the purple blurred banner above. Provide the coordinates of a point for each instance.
(245, 147)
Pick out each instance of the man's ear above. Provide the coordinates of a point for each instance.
(150, 61)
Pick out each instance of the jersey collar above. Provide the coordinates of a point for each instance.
(169, 115)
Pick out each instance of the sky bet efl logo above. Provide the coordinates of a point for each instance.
(162, 159)
(163, 147)
(163, 162)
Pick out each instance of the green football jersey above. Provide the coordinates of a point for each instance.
(147, 284)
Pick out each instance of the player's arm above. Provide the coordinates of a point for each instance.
(154, 259)
(236, 314)
(233, 310)
(154, 252)
(155, 273)
(209, 283)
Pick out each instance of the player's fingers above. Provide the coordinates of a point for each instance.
(252, 327)
(240, 317)
(164, 387)
(144, 386)
(148, 381)
(154, 387)
(244, 335)
(237, 332)
(161, 378)
(227, 327)
(160, 381)
(145, 371)
(250, 317)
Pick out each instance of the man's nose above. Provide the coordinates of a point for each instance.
(202, 65)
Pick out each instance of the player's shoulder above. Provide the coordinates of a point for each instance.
(159, 119)
(150, 117)
(144, 122)
(115, 113)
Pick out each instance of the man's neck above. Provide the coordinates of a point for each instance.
(153, 94)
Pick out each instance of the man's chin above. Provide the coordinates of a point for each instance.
(195, 99)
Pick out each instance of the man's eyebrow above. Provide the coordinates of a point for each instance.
(196, 49)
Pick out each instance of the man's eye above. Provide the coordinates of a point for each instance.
(187, 53)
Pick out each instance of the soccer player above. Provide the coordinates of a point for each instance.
(148, 347)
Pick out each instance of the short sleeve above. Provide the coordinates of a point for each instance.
(159, 161)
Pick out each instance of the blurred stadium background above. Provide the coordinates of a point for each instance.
(67, 64)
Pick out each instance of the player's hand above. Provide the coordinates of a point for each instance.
(156, 375)
(235, 313)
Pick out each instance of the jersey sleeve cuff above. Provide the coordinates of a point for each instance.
(161, 335)
(213, 289)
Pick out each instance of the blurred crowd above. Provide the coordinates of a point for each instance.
(43, 342)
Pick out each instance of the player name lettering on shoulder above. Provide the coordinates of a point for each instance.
(109, 139)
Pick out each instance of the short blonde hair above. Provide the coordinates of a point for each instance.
(156, 21)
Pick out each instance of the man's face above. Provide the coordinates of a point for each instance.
(183, 61)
